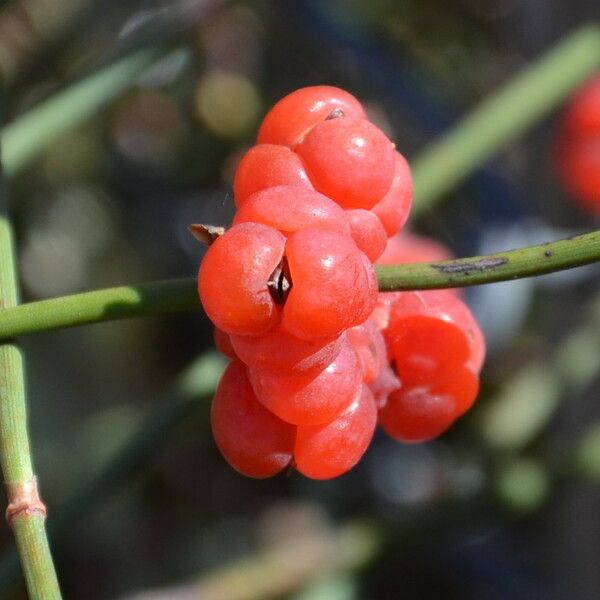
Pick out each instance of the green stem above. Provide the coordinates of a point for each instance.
(24, 139)
(192, 391)
(180, 294)
(502, 266)
(521, 103)
(26, 513)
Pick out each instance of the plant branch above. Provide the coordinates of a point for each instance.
(180, 294)
(25, 513)
(192, 390)
(518, 105)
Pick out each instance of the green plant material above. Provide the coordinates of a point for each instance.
(332, 587)
(24, 139)
(587, 454)
(192, 391)
(522, 408)
(181, 294)
(502, 266)
(523, 485)
(521, 103)
(578, 358)
(15, 457)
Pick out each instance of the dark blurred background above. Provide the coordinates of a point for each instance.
(504, 505)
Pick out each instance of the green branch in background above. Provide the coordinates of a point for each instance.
(24, 139)
(180, 294)
(25, 513)
(520, 104)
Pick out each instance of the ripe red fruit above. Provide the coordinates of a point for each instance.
(280, 350)
(309, 399)
(393, 209)
(265, 166)
(288, 209)
(333, 284)
(422, 412)
(251, 439)
(577, 149)
(430, 334)
(367, 232)
(232, 281)
(351, 161)
(369, 345)
(326, 451)
(223, 343)
(409, 247)
(294, 115)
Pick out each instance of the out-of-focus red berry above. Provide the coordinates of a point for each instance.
(577, 148)
(294, 115)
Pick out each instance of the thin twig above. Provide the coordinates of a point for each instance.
(161, 297)
(26, 512)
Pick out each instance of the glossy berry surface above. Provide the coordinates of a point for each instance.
(294, 115)
(367, 232)
(326, 451)
(350, 161)
(252, 440)
(309, 399)
(277, 349)
(393, 209)
(265, 166)
(232, 281)
(423, 412)
(288, 209)
(333, 284)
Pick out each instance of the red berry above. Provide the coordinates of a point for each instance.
(367, 232)
(333, 284)
(223, 343)
(326, 451)
(412, 248)
(369, 345)
(280, 350)
(233, 277)
(385, 383)
(295, 114)
(577, 150)
(252, 440)
(310, 399)
(265, 166)
(349, 160)
(430, 334)
(422, 412)
(393, 209)
(289, 209)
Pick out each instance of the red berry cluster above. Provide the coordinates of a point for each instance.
(317, 352)
(578, 147)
